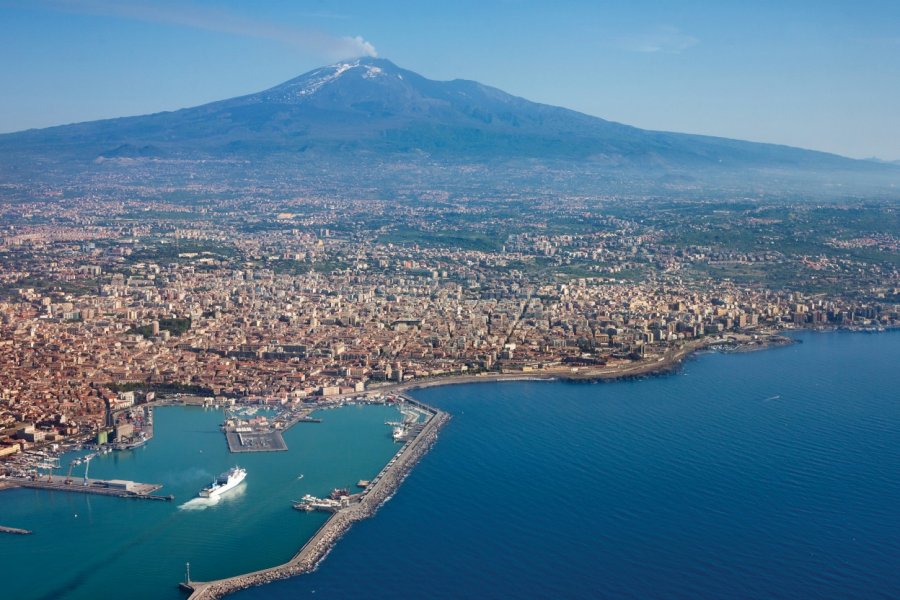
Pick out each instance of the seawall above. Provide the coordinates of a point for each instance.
(317, 547)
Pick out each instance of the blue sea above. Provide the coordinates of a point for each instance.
(772, 474)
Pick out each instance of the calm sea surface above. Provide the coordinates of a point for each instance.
(767, 475)
(97, 547)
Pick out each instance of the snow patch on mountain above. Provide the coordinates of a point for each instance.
(372, 72)
(320, 79)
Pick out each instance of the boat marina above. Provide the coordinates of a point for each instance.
(260, 434)
(409, 425)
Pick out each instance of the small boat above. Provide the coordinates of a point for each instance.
(305, 503)
(310, 503)
(399, 433)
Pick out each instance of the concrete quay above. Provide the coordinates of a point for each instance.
(100, 487)
(308, 557)
(266, 440)
(255, 441)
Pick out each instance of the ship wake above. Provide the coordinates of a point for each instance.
(205, 503)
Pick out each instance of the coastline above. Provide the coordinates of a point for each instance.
(723, 423)
(317, 547)
(662, 365)
(392, 475)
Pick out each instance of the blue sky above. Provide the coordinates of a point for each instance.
(815, 74)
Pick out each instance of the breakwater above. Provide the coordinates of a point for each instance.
(14, 530)
(317, 547)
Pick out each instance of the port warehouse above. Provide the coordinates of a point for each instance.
(121, 484)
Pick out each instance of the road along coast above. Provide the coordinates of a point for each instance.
(668, 362)
(308, 557)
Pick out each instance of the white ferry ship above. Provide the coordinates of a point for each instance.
(224, 482)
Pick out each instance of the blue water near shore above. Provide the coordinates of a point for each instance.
(772, 474)
(101, 547)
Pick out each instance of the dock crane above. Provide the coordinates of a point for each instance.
(48, 464)
(72, 464)
(87, 465)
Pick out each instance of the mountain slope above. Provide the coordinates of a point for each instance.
(372, 107)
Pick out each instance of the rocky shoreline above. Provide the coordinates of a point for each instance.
(665, 364)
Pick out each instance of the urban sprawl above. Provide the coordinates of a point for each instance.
(100, 310)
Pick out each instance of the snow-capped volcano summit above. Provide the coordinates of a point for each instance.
(312, 82)
(360, 84)
(375, 93)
